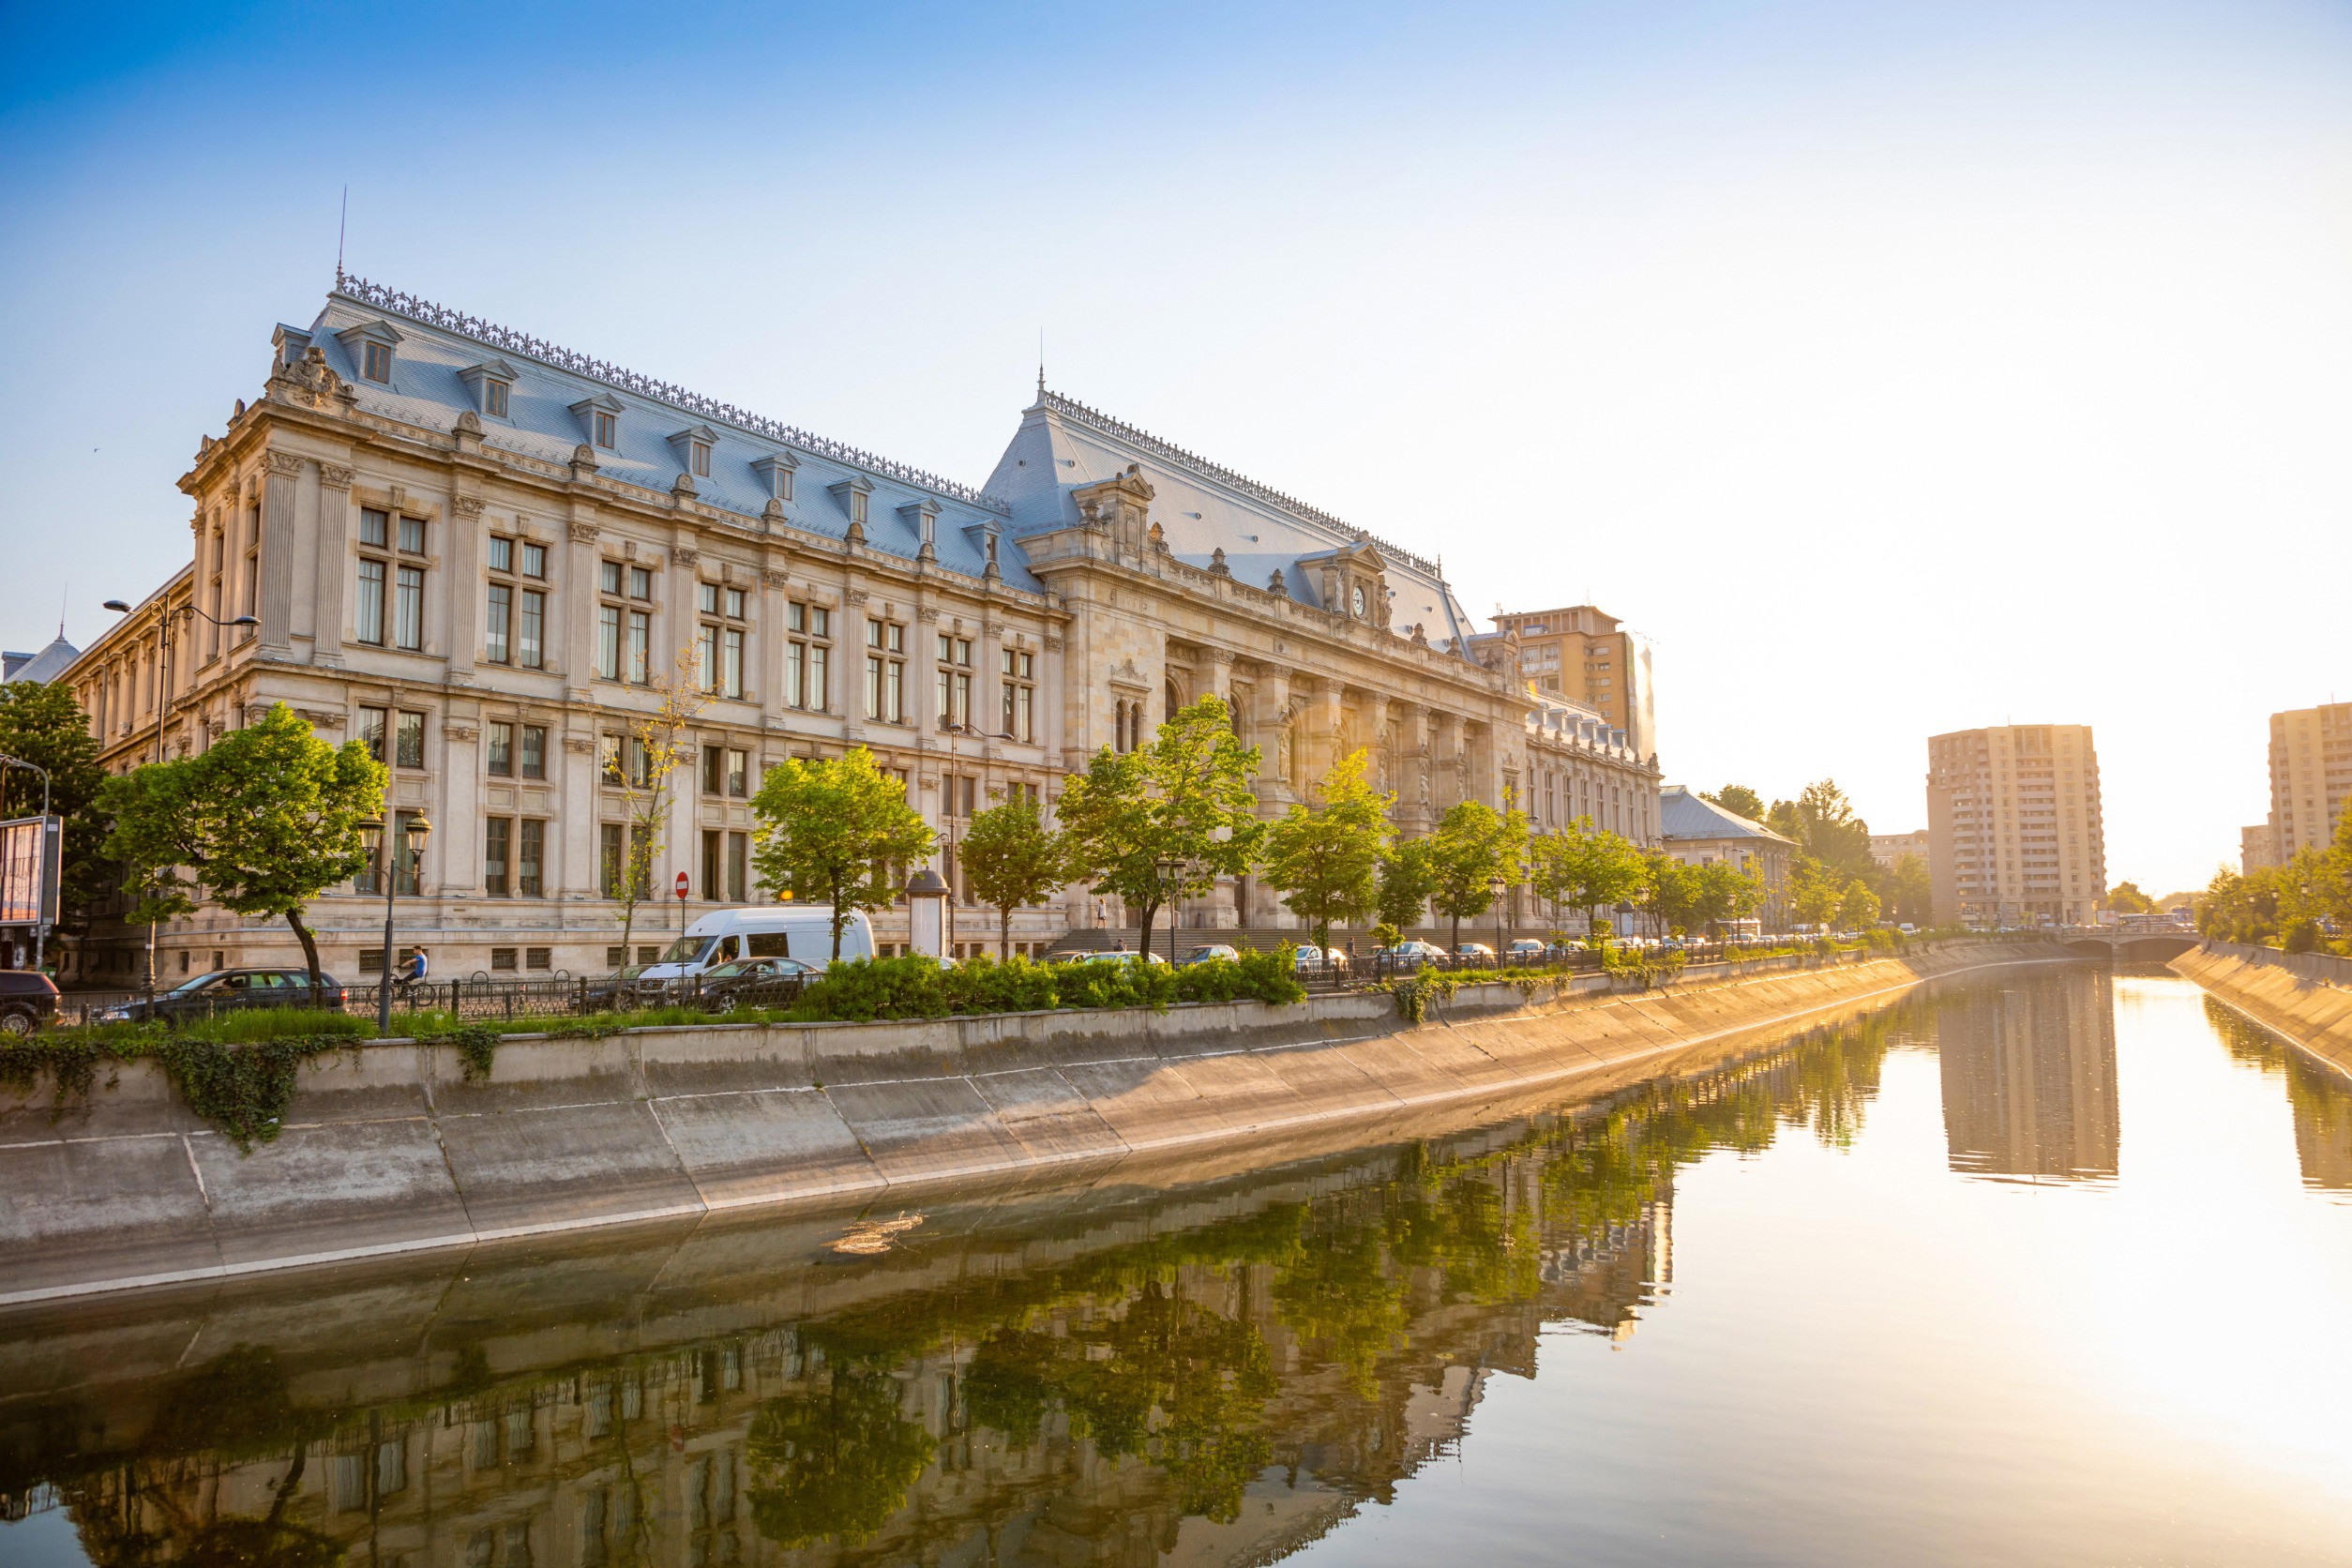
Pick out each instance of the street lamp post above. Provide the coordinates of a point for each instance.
(40, 926)
(1494, 891)
(388, 864)
(163, 697)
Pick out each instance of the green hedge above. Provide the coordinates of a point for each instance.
(861, 989)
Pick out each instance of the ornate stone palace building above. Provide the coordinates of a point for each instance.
(481, 553)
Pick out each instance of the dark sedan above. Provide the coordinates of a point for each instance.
(754, 983)
(231, 990)
(28, 998)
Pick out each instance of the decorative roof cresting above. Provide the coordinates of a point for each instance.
(508, 340)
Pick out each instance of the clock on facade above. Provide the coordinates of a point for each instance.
(1359, 603)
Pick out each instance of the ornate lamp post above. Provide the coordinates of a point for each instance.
(163, 694)
(1494, 891)
(389, 862)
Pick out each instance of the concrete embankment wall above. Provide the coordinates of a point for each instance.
(388, 1149)
(2295, 996)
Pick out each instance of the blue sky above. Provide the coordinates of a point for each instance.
(1896, 368)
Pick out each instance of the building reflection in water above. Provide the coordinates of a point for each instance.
(1211, 1375)
(2321, 1100)
(2029, 1079)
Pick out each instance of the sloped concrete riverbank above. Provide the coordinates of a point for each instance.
(388, 1148)
(2289, 997)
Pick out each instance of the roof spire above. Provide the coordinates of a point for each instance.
(1041, 364)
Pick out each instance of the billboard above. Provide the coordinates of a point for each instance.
(28, 871)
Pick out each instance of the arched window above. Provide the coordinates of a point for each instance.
(1175, 700)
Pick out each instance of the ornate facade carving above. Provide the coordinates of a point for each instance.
(335, 476)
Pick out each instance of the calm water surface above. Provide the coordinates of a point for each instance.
(2043, 1271)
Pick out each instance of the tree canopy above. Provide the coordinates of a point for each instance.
(1163, 822)
(1408, 879)
(1738, 800)
(261, 822)
(43, 725)
(836, 830)
(1325, 856)
(1473, 847)
(1011, 860)
(1584, 867)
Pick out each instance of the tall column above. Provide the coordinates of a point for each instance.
(277, 498)
(1274, 742)
(684, 618)
(331, 566)
(461, 586)
(769, 637)
(577, 600)
(577, 855)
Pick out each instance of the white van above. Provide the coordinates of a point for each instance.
(803, 931)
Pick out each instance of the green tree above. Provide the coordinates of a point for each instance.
(1857, 907)
(1408, 880)
(1738, 800)
(835, 1463)
(262, 822)
(1828, 830)
(1474, 846)
(43, 725)
(1906, 890)
(1163, 822)
(1723, 892)
(1326, 857)
(1011, 860)
(1670, 891)
(2125, 898)
(1815, 891)
(836, 830)
(1584, 867)
(652, 746)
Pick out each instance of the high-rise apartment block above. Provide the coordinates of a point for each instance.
(1586, 655)
(2310, 777)
(2013, 825)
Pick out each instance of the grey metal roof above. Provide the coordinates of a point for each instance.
(1682, 815)
(1063, 445)
(438, 345)
(43, 667)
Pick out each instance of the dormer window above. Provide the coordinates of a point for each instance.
(601, 419)
(492, 382)
(852, 494)
(693, 448)
(372, 344)
(775, 475)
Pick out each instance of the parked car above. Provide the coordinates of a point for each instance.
(1476, 952)
(1526, 949)
(1410, 954)
(1115, 955)
(1314, 959)
(231, 990)
(633, 987)
(28, 998)
(1566, 948)
(1205, 952)
(755, 983)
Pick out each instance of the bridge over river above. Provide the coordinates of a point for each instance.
(2126, 946)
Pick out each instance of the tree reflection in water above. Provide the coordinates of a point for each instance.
(1313, 1343)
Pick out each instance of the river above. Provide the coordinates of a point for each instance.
(2049, 1269)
